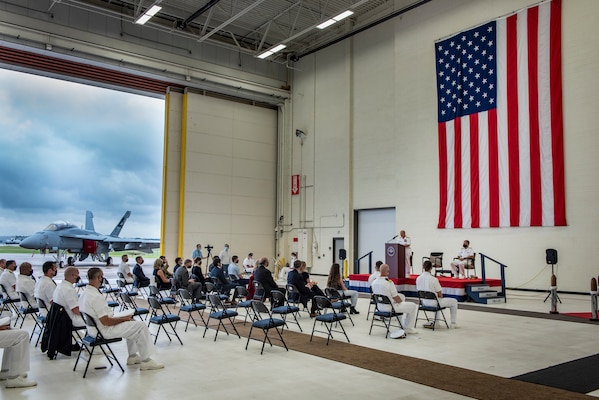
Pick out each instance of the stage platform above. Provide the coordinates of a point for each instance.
(450, 287)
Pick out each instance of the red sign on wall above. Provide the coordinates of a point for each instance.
(295, 184)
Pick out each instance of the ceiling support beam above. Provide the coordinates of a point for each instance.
(233, 18)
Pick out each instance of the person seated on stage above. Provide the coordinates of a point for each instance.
(26, 283)
(160, 278)
(44, 287)
(139, 278)
(303, 270)
(137, 334)
(429, 283)
(125, 269)
(15, 357)
(9, 280)
(465, 255)
(296, 278)
(196, 271)
(385, 286)
(334, 281)
(283, 273)
(219, 278)
(376, 273)
(184, 281)
(264, 276)
(235, 272)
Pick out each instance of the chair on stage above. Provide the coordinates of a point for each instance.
(265, 321)
(281, 306)
(219, 312)
(189, 306)
(161, 318)
(470, 265)
(330, 318)
(425, 295)
(91, 341)
(386, 317)
(436, 259)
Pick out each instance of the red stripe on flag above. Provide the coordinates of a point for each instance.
(442, 175)
(457, 156)
(557, 123)
(536, 201)
(474, 173)
(493, 170)
(512, 119)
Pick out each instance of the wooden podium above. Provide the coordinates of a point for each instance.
(395, 257)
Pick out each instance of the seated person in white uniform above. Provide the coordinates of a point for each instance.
(465, 256)
(137, 334)
(45, 285)
(15, 357)
(376, 273)
(125, 269)
(65, 294)
(26, 283)
(8, 279)
(385, 286)
(429, 283)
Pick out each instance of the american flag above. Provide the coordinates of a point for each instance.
(499, 87)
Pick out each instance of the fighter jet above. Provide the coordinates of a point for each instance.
(61, 238)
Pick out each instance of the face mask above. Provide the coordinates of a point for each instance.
(30, 273)
(227, 248)
(78, 279)
(465, 246)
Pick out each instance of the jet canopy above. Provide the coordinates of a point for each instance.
(59, 225)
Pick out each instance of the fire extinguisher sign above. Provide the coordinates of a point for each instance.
(295, 184)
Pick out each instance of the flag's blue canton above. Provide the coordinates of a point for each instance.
(467, 73)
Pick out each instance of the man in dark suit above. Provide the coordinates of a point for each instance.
(182, 280)
(139, 278)
(296, 279)
(264, 276)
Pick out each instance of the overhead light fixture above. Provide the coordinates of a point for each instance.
(150, 12)
(272, 51)
(335, 19)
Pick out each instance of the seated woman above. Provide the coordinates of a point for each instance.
(196, 271)
(314, 285)
(162, 282)
(334, 281)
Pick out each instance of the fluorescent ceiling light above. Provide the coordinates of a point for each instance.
(150, 12)
(335, 19)
(272, 51)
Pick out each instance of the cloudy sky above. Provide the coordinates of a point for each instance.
(66, 148)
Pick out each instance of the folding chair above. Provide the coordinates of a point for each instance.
(219, 312)
(110, 293)
(339, 303)
(28, 309)
(188, 306)
(259, 291)
(165, 301)
(160, 318)
(41, 319)
(283, 308)
(127, 288)
(211, 289)
(91, 341)
(328, 319)
(432, 297)
(81, 284)
(372, 303)
(129, 304)
(266, 324)
(436, 259)
(384, 302)
(10, 303)
(240, 293)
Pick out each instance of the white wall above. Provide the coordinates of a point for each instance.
(369, 104)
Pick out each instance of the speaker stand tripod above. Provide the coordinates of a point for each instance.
(552, 291)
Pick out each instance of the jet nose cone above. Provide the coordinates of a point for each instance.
(32, 242)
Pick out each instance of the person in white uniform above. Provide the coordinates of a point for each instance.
(385, 286)
(376, 273)
(65, 294)
(249, 264)
(45, 286)
(465, 255)
(9, 280)
(125, 269)
(137, 334)
(15, 357)
(26, 283)
(406, 242)
(429, 283)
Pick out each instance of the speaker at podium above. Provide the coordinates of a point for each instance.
(395, 257)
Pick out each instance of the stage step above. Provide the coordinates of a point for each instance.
(483, 294)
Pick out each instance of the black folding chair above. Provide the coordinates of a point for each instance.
(330, 318)
(423, 297)
(91, 341)
(265, 321)
(384, 312)
(190, 307)
(281, 306)
(219, 312)
(161, 318)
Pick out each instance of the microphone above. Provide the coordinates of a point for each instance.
(393, 238)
